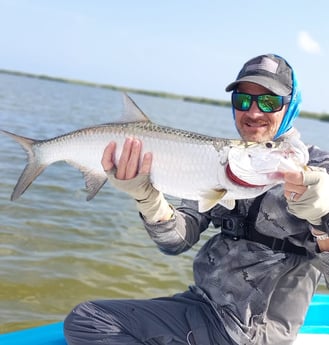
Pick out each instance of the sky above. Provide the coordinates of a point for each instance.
(186, 47)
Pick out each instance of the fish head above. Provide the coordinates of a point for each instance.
(262, 164)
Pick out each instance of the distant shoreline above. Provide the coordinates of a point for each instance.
(203, 100)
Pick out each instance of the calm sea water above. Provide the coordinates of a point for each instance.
(56, 249)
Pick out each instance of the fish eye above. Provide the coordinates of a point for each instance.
(269, 145)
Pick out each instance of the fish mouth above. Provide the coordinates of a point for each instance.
(237, 180)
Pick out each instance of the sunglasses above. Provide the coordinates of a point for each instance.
(266, 103)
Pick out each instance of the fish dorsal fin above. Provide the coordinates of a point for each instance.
(131, 112)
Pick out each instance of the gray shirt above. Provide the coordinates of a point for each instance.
(260, 295)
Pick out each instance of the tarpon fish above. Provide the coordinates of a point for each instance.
(185, 164)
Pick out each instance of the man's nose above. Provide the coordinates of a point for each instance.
(254, 110)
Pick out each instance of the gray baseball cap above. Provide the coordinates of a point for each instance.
(269, 71)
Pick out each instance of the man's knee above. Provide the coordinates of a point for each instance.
(79, 322)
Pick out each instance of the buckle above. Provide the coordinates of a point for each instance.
(234, 226)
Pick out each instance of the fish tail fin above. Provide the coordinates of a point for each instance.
(32, 169)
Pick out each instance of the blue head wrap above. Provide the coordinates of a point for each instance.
(293, 108)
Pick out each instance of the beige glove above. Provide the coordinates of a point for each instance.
(150, 202)
(313, 204)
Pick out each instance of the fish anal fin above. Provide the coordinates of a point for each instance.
(94, 182)
(131, 111)
(211, 198)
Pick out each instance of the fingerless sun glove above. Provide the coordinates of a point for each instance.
(313, 204)
(149, 201)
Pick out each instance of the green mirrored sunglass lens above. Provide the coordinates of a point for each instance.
(269, 103)
(242, 101)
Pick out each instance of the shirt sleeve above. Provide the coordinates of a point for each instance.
(182, 231)
(321, 158)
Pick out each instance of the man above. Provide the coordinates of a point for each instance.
(254, 290)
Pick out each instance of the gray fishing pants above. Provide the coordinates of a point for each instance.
(181, 319)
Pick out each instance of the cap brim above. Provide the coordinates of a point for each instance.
(269, 83)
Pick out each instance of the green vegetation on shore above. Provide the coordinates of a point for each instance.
(204, 100)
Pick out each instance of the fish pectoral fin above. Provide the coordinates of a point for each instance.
(94, 182)
(211, 198)
(229, 204)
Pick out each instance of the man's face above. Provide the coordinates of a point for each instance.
(253, 124)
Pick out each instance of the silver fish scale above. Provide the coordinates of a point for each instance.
(152, 129)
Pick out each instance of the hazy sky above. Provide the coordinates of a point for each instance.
(181, 46)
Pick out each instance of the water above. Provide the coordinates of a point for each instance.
(56, 249)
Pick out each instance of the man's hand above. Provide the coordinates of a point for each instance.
(293, 187)
(128, 166)
(307, 194)
(307, 197)
(128, 177)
